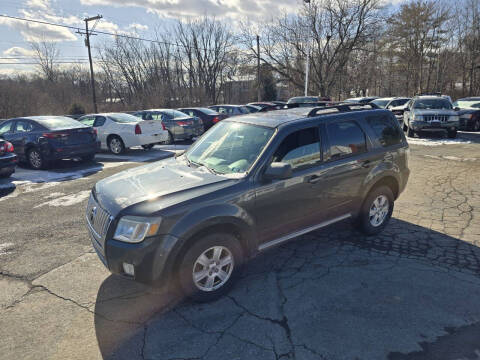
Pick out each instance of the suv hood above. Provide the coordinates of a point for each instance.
(151, 182)
(434, 112)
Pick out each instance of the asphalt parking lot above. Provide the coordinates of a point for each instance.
(410, 293)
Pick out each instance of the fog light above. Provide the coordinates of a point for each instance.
(129, 269)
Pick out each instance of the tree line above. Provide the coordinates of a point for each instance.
(355, 48)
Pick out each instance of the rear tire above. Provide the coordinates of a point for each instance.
(216, 261)
(116, 145)
(376, 210)
(170, 139)
(147, 147)
(36, 160)
(452, 134)
(5, 175)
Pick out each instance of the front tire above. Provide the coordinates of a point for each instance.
(410, 132)
(115, 145)
(88, 158)
(376, 211)
(210, 267)
(452, 134)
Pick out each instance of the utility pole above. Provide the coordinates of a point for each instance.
(307, 64)
(259, 96)
(87, 44)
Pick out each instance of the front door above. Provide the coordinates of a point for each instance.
(283, 207)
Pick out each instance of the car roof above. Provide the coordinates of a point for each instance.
(430, 97)
(227, 105)
(274, 119)
(473, 98)
(40, 118)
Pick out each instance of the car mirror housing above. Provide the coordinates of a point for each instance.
(278, 171)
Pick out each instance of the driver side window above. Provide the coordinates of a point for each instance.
(300, 149)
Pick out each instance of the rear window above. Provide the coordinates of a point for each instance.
(177, 114)
(207, 111)
(59, 123)
(385, 129)
(123, 118)
(346, 139)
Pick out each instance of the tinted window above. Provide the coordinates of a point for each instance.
(346, 138)
(300, 149)
(99, 121)
(387, 132)
(59, 123)
(5, 127)
(23, 126)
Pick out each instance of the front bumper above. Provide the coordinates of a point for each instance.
(433, 126)
(150, 258)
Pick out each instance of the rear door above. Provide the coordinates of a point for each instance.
(347, 164)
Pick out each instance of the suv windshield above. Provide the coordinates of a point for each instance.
(123, 118)
(230, 147)
(432, 104)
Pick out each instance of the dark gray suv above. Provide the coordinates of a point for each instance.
(251, 182)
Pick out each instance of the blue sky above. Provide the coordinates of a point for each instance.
(127, 16)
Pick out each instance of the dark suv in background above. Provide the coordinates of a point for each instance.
(250, 183)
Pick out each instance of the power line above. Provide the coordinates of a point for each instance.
(100, 32)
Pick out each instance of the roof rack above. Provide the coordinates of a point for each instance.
(343, 107)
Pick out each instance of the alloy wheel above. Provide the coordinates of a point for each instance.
(35, 159)
(213, 268)
(379, 210)
(116, 146)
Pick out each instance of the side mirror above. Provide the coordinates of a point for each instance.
(278, 171)
(456, 108)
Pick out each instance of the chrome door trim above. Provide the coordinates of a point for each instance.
(301, 232)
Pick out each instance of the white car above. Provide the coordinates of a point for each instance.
(117, 132)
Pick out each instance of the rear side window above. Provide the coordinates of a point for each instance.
(23, 126)
(87, 120)
(300, 149)
(99, 121)
(385, 129)
(346, 139)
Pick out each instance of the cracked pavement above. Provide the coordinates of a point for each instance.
(410, 293)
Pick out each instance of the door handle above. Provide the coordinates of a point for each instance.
(313, 179)
(366, 164)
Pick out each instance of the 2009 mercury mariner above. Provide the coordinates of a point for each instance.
(249, 183)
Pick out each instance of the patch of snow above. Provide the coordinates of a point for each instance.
(437, 142)
(6, 248)
(67, 200)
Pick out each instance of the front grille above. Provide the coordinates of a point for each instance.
(441, 118)
(98, 219)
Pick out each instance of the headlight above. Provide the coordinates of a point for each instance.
(454, 118)
(134, 230)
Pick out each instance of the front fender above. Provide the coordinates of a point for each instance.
(214, 215)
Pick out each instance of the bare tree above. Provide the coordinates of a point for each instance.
(46, 55)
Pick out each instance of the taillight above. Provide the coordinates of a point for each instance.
(163, 126)
(95, 132)
(7, 148)
(216, 119)
(184, 123)
(138, 130)
(55, 135)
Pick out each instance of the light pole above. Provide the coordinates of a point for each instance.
(307, 63)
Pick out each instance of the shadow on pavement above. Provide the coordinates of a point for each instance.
(409, 293)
